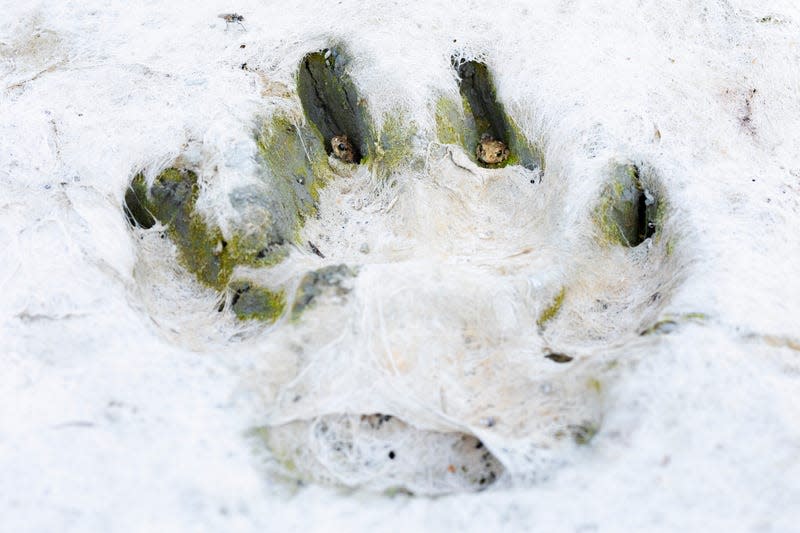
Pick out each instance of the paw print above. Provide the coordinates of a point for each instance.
(431, 273)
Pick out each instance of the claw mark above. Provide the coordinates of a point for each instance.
(747, 119)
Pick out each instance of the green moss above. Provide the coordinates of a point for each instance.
(552, 310)
(250, 302)
(450, 122)
(606, 223)
(202, 248)
(171, 200)
(294, 168)
(522, 151)
(395, 147)
(296, 164)
(320, 169)
(670, 247)
(172, 195)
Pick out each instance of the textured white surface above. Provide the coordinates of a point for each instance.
(126, 399)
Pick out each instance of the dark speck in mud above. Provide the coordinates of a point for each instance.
(655, 297)
(559, 357)
(315, 249)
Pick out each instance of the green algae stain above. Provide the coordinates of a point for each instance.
(523, 152)
(606, 223)
(695, 316)
(552, 310)
(293, 169)
(395, 146)
(171, 200)
(594, 385)
(450, 122)
(202, 248)
(296, 165)
(670, 322)
(670, 247)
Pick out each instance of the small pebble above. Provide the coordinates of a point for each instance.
(491, 151)
(343, 149)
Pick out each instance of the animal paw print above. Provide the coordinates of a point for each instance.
(445, 285)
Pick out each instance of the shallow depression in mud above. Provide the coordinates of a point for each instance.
(380, 452)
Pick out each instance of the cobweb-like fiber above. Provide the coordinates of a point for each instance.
(614, 388)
